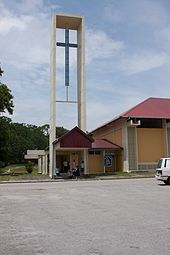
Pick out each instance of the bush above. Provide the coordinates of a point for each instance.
(29, 167)
(2, 164)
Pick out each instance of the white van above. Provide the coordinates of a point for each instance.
(163, 170)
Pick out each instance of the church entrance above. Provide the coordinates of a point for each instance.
(68, 156)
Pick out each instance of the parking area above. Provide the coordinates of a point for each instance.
(85, 218)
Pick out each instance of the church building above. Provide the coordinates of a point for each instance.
(133, 141)
(143, 133)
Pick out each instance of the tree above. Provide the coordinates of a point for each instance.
(6, 98)
(1, 72)
(4, 138)
(6, 103)
(17, 138)
(60, 131)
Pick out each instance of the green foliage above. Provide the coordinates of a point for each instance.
(17, 138)
(6, 99)
(29, 167)
(60, 131)
(4, 138)
(1, 71)
(45, 129)
(2, 164)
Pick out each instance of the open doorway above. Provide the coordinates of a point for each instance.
(69, 156)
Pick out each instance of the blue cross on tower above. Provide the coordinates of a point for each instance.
(67, 45)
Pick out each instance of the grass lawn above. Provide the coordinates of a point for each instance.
(18, 172)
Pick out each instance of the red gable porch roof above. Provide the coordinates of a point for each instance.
(75, 138)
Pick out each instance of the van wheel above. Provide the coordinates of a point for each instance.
(165, 182)
(168, 181)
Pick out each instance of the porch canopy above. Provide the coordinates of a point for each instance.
(74, 138)
(104, 144)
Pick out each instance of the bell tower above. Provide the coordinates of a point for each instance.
(66, 22)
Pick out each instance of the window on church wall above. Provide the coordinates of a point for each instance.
(150, 123)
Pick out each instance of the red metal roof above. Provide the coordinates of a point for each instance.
(104, 144)
(150, 108)
(75, 138)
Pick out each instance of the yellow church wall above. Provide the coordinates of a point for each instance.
(119, 162)
(95, 164)
(118, 136)
(151, 144)
(115, 136)
(111, 132)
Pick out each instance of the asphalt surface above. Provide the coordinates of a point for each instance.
(110, 217)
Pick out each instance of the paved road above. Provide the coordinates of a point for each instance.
(111, 217)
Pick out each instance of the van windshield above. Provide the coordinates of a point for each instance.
(159, 163)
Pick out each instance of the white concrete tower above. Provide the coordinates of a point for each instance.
(72, 22)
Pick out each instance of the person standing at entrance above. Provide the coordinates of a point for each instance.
(82, 167)
(72, 169)
(65, 166)
(73, 165)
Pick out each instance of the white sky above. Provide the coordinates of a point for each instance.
(127, 57)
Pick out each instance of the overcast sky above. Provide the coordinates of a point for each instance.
(127, 57)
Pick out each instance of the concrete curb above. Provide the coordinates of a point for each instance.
(103, 178)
